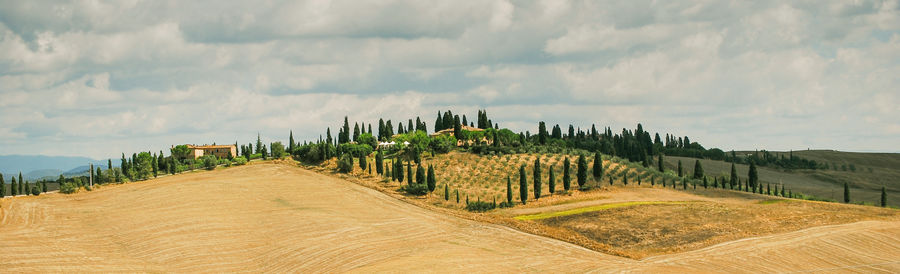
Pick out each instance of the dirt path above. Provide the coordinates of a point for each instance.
(277, 218)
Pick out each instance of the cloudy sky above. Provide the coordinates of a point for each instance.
(96, 78)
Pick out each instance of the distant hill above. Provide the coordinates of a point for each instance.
(40, 166)
(866, 173)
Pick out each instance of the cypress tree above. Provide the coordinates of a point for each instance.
(846, 192)
(581, 174)
(523, 185)
(22, 185)
(652, 181)
(369, 168)
(25, 189)
(537, 178)
(13, 188)
(362, 162)
(734, 177)
(752, 176)
(379, 162)
(446, 192)
(153, 165)
(509, 197)
(705, 182)
(420, 176)
(100, 178)
(399, 171)
(542, 133)
(883, 196)
(552, 181)
(698, 170)
(680, 173)
(598, 166)
(291, 143)
(660, 163)
(610, 180)
(625, 179)
(457, 195)
(2, 186)
(684, 182)
(44, 186)
(566, 177)
(432, 181)
(409, 174)
(768, 189)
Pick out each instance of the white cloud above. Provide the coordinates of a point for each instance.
(96, 78)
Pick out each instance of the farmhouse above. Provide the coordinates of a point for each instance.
(449, 131)
(221, 151)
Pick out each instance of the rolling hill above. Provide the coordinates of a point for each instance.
(872, 171)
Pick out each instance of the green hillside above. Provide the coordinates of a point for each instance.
(866, 173)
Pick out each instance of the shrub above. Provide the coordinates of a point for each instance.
(35, 191)
(345, 164)
(68, 188)
(416, 189)
(240, 161)
(479, 206)
(209, 162)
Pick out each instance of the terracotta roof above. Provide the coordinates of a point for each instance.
(207, 147)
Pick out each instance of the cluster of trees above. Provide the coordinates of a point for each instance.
(766, 158)
(21, 187)
(581, 172)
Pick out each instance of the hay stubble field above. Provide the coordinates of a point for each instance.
(277, 218)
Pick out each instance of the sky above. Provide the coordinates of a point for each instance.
(98, 78)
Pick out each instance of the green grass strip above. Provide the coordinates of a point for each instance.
(546, 215)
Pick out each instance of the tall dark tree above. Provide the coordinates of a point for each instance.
(508, 190)
(379, 162)
(13, 188)
(362, 162)
(154, 166)
(523, 185)
(2, 186)
(753, 178)
(457, 128)
(399, 171)
(846, 192)
(438, 123)
(344, 134)
(22, 184)
(432, 181)
(883, 195)
(698, 170)
(409, 174)
(598, 166)
(109, 163)
(446, 192)
(259, 145)
(291, 143)
(660, 163)
(552, 181)
(537, 178)
(680, 170)
(734, 177)
(420, 175)
(328, 138)
(567, 178)
(542, 133)
(356, 132)
(581, 174)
